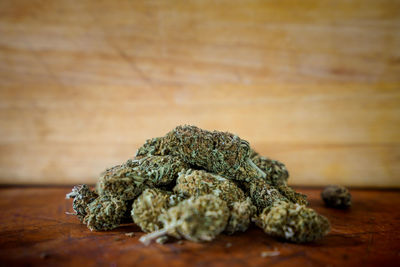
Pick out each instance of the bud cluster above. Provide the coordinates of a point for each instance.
(195, 184)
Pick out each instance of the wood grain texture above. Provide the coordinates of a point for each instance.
(35, 231)
(315, 84)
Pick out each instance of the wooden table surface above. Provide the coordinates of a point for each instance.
(36, 230)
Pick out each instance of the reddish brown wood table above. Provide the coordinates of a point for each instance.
(35, 230)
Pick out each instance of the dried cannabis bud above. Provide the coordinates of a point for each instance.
(195, 183)
(82, 196)
(262, 194)
(149, 206)
(218, 152)
(104, 213)
(336, 196)
(219, 183)
(195, 219)
(160, 170)
(277, 175)
(292, 195)
(128, 180)
(241, 213)
(276, 171)
(293, 222)
(121, 181)
(155, 146)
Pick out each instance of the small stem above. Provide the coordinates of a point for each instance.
(146, 239)
(263, 175)
(70, 195)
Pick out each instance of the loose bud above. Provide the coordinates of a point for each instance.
(336, 196)
(293, 222)
(82, 196)
(121, 181)
(104, 213)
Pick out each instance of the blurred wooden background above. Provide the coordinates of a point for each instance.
(314, 84)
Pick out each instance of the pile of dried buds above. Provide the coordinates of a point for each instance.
(195, 184)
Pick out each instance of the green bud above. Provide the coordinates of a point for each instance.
(129, 180)
(104, 213)
(293, 222)
(121, 181)
(277, 176)
(336, 196)
(195, 219)
(153, 147)
(262, 194)
(275, 171)
(160, 170)
(195, 183)
(82, 196)
(241, 213)
(221, 153)
(149, 206)
(292, 195)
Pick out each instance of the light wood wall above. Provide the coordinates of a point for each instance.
(314, 84)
